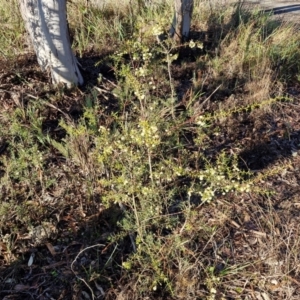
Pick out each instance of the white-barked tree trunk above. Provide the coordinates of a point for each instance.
(182, 19)
(46, 23)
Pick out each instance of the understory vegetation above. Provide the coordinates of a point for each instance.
(173, 173)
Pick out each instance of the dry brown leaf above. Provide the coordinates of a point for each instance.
(51, 249)
(3, 247)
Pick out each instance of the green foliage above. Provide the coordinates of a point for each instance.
(11, 30)
(23, 167)
(142, 163)
(146, 146)
(256, 46)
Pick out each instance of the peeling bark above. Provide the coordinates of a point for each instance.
(46, 23)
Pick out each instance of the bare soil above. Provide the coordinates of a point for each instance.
(262, 228)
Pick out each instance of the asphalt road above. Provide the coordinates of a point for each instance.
(286, 10)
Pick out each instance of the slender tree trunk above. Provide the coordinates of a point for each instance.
(46, 23)
(182, 19)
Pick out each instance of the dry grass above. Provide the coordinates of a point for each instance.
(173, 174)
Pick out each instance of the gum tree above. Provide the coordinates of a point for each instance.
(182, 19)
(46, 23)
